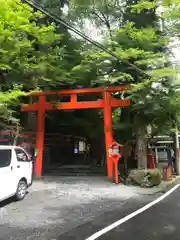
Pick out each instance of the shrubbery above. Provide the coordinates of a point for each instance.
(144, 177)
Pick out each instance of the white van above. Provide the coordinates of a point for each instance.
(15, 172)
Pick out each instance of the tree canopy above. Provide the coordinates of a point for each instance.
(31, 54)
(135, 35)
(37, 52)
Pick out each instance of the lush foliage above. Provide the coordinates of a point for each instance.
(135, 35)
(32, 55)
(38, 53)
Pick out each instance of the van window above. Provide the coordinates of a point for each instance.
(21, 155)
(5, 157)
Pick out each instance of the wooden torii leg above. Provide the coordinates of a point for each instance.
(40, 136)
(108, 130)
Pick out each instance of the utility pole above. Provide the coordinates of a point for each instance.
(176, 132)
(177, 163)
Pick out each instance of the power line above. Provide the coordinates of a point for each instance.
(35, 5)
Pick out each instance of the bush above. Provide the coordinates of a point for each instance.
(145, 177)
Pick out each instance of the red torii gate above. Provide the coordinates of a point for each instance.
(107, 102)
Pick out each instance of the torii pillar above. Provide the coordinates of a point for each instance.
(108, 130)
(106, 103)
(40, 135)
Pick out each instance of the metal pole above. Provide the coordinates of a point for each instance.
(177, 151)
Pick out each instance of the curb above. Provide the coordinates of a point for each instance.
(168, 185)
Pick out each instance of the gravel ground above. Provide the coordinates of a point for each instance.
(57, 205)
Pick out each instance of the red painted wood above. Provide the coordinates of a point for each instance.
(40, 136)
(120, 102)
(108, 130)
(107, 103)
(116, 173)
(81, 105)
(29, 107)
(82, 90)
(73, 98)
(76, 105)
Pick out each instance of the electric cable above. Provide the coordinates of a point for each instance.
(38, 7)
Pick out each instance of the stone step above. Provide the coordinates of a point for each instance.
(71, 174)
(73, 171)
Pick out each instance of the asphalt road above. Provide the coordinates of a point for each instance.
(83, 231)
(68, 208)
(160, 222)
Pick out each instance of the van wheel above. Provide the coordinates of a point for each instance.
(21, 190)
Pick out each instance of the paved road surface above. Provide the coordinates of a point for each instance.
(160, 222)
(59, 207)
(88, 228)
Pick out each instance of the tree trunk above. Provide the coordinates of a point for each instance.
(16, 134)
(31, 118)
(141, 147)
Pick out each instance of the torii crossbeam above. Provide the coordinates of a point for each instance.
(106, 102)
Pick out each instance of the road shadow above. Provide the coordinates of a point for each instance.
(9, 201)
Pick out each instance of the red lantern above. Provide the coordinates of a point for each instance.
(114, 154)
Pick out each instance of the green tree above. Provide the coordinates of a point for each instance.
(137, 40)
(21, 65)
(31, 55)
(76, 77)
